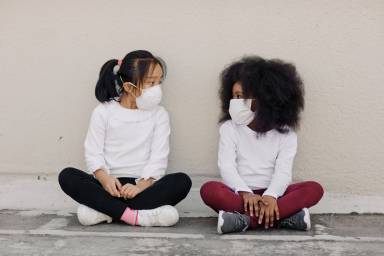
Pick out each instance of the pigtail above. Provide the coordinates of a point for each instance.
(108, 87)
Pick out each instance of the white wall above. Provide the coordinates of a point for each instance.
(51, 53)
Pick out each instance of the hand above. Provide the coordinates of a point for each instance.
(143, 184)
(251, 203)
(269, 210)
(129, 191)
(111, 184)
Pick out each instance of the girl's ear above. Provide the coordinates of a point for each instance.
(130, 89)
(126, 87)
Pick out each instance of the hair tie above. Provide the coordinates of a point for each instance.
(116, 69)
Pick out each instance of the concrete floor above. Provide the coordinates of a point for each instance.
(38, 233)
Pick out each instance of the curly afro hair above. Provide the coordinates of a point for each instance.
(274, 84)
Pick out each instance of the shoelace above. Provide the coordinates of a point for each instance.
(241, 221)
(288, 222)
(291, 221)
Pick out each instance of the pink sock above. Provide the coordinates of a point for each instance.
(130, 216)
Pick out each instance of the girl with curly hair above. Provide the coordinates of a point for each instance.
(261, 102)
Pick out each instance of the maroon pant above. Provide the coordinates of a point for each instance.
(218, 196)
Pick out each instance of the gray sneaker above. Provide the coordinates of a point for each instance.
(229, 222)
(298, 221)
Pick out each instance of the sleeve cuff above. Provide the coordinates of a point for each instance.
(151, 173)
(245, 189)
(269, 193)
(145, 177)
(99, 168)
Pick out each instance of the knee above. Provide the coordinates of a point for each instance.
(182, 181)
(65, 177)
(315, 189)
(208, 187)
(211, 191)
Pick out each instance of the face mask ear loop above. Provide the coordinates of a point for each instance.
(133, 85)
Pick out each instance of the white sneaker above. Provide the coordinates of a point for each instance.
(307, 219)
(163, 216)
(88, 216)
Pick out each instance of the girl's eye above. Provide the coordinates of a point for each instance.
(150, 83)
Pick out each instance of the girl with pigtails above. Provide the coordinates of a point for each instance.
(127, 148)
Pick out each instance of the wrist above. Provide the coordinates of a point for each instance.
(143, 184)
(269, 199)
(269, 196)
(100, 175)
(244, 193)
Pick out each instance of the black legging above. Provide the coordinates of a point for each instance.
(85, 189)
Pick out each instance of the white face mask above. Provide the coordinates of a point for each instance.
(149, 98)
(240, 111)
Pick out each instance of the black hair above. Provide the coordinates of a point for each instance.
(134, 68)
(274, 84)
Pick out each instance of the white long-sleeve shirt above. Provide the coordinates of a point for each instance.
(128, 142)
(248, 162)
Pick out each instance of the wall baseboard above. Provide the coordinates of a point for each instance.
(42, 193)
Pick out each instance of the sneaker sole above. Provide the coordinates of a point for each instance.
(173, 220)
(307, 219)
(82, 217)
(220, 222)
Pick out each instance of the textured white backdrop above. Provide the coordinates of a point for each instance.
(51, 53)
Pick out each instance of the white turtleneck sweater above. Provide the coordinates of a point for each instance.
(248, 162)
(128, 142)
